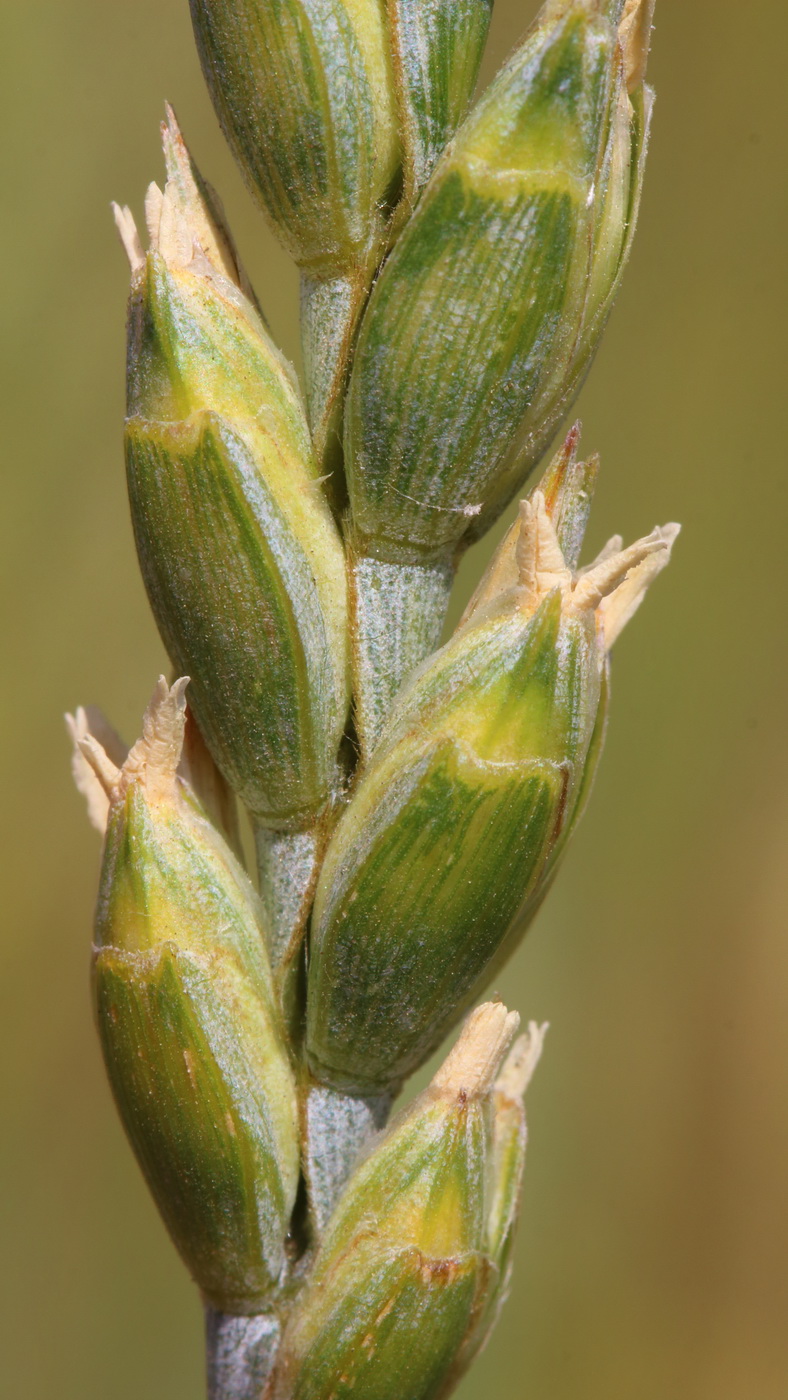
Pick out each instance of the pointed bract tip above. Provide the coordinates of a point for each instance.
(184, 220)
(189, 220)
(129, 236)
(470, 1068)
(562, 463)
(568, 487)
(170, 127)
(635, 36)
(177, 161)
(520, 1064)
(567, 453)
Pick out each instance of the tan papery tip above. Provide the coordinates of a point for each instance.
(617, 609)
(521, 1062)
(129, 236)
(104, 769)
(634, 33)
(154, 759)
(181, 223)
(602, 578)
(540, 562)
(530, 556)
(187, 229)
(89, 723)
(613, 586)
(469, 1070)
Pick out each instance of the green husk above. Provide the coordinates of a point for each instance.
(449, 835)
(187, 1065)
(305, 96)
(188, 1024)
(455, 829)
(233, 590)
(483, 321)
(241, 558)
(437, 49)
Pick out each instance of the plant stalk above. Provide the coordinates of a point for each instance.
(241, 1354)
(338, 1128)
(397, 617)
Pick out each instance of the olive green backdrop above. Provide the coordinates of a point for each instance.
(653, 1252)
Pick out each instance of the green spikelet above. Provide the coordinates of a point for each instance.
(485, 317)
(402, 1274)
(188, 1025)
(453, 833)
(240, 555)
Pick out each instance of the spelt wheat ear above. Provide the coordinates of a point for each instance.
(486, 315)
(454, 831)
(189, 1029)
(406, 1270)
(457, 270)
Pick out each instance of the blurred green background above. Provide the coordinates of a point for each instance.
(653, 1254)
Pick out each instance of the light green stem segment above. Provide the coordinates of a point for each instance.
(398, 612)
(330, 309)
(241, 1354)
(288, 865)
(338, 1128)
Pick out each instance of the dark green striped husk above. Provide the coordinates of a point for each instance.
(474, 337)
(449, 840)
(192, 1043)
(437, 51)
(304, 93)
(234, 597)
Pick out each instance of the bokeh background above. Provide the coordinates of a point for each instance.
(653, 1254)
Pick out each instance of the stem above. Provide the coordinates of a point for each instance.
(240, 1354)
(398, 611)
(288, 865)
(338, 1127)
(330, 310)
